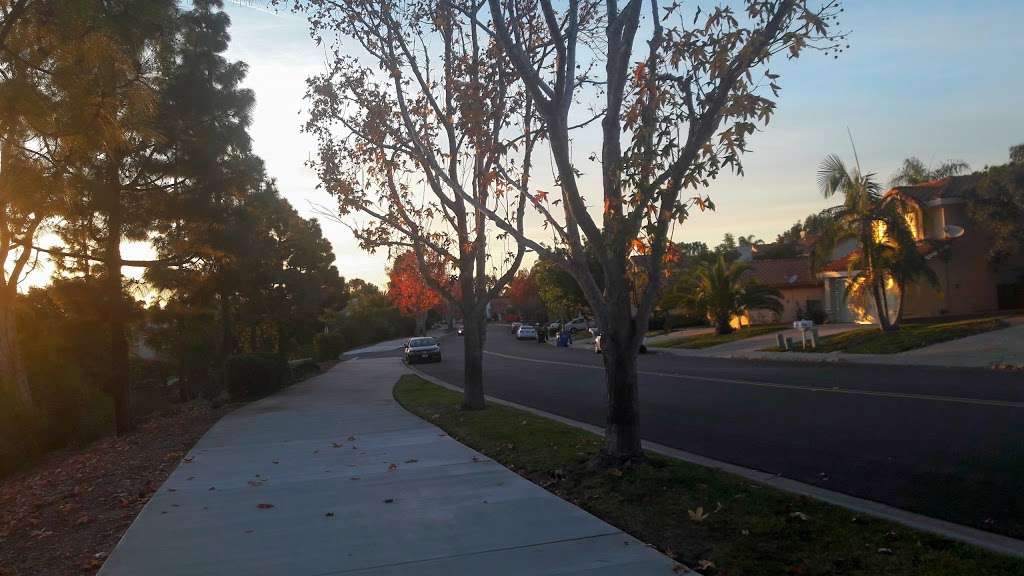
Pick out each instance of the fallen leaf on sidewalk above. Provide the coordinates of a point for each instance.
(698, 515)
(799, 516)
(389, 500)
(411, 461)
(264, 506)
(392, 467)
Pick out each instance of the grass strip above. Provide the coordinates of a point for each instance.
(713, 522)
(712, 339)
(872, 340)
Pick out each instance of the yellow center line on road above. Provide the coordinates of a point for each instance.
(762, 384)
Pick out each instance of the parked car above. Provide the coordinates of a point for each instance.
(526, 332)
(424, 349)
(599, 350)
(577, 324)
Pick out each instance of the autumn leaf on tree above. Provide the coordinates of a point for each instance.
(407, 289)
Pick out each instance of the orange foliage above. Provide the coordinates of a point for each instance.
(407, 289)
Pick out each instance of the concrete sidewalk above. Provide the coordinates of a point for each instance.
(332, 476)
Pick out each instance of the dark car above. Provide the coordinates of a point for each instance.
(424, 349)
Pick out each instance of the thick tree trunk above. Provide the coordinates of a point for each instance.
(473, 345)
(13, 380)
(622, 426)
(120, 379)
(620, 345)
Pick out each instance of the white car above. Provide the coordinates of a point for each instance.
(526, 332)
(598, 349)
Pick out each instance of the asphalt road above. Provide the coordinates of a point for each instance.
(948, 443)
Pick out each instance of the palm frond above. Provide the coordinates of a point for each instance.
(832, 175)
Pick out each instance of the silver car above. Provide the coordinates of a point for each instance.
(526, 332)
(424, 349)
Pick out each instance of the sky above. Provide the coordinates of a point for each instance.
(937, 79)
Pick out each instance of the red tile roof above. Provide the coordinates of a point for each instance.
(783, 273)
(841, 264)
(943, 188)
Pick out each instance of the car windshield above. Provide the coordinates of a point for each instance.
(421, 342)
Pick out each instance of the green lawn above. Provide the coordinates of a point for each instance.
(713, 522)
(871, 340)
(712, 339)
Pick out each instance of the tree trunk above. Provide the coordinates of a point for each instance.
(473, 345)
(622, 427)
(899, 308)
(880, 309)
(12, 374)
(120, 380)
(620, 345)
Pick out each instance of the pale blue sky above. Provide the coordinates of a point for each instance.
(938, 79)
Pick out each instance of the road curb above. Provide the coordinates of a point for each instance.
(956, 532)
(822, 358)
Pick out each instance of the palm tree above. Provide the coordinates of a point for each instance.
(888, 249)
(723, 293)
(914, 171)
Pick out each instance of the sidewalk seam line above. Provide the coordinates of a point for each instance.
(470, 554)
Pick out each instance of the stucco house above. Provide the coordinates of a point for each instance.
(955, 246)
(802, 290)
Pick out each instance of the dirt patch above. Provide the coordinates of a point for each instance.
(66, 513)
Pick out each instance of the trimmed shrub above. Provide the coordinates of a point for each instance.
(303, 368)
(328, 347)
(251, 376)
